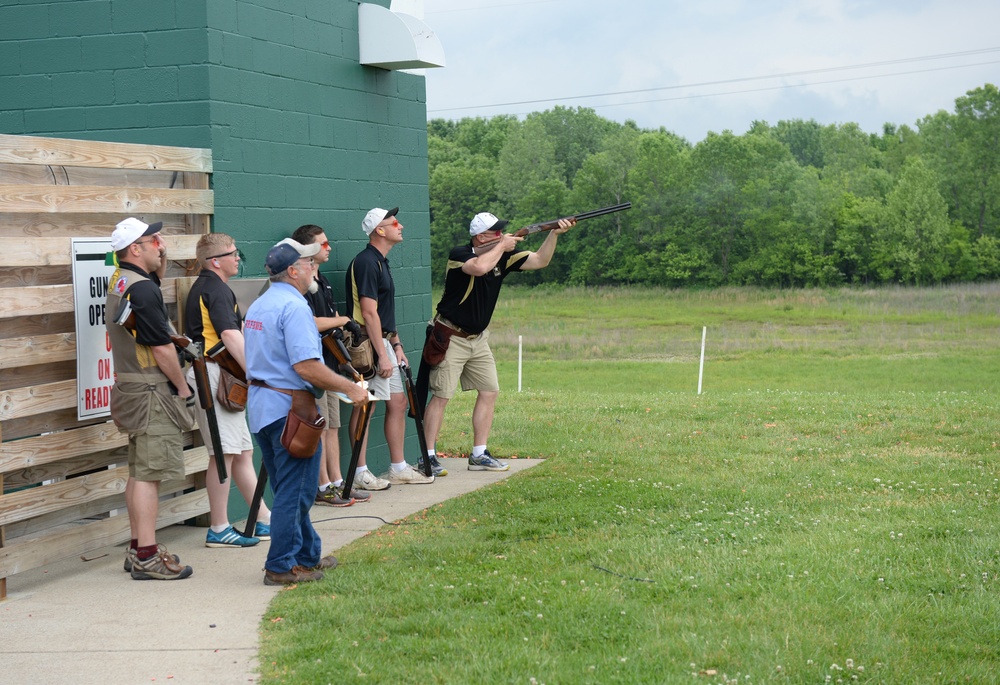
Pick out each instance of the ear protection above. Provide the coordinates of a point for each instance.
(215, 262)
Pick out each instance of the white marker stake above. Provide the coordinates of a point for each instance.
(701, 364)
(519, 363)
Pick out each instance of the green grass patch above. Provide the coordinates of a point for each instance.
(824, 512)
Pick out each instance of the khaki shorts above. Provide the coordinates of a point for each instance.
(233, 431)
(329, 406)
(157, 454)
(469, 360)
(383, 387)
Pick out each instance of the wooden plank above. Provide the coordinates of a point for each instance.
(41, 524)
(198, 224)
(37, 399)
(98, 225)
(86, 176)
(26, 376)
(45, 324)
(58, 251)
(51, 299)
(76, 540)
(46, 449)
(64, 419)
(32, 276)
(45, 499)
(89, 153)
(43, 349)
(85, 199)
(65, 468)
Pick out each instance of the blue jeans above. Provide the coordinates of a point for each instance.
(294, 482)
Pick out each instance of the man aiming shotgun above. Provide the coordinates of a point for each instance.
(457, 347)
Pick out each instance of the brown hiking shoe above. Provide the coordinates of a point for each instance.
(326, 563)
(298, 574)
(130, 557)
(160, 566)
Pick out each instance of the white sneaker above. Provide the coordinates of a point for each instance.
(408, 476)
(369, 481)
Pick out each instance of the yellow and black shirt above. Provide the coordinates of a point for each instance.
(469, 301)
(211, 308)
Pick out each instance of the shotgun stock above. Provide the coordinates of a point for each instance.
(333, 341)
(221, 356)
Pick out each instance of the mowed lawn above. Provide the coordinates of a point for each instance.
(825, 511)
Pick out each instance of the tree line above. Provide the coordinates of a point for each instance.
(793, 204)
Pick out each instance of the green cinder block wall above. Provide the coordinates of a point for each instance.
(300, 132)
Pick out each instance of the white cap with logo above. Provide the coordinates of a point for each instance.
(484, 221)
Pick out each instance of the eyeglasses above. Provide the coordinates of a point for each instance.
(393, 222)
(325, 244)
(234, 251)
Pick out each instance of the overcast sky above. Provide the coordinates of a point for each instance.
(711, 65)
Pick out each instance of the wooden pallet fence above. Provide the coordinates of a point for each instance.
(62, 480)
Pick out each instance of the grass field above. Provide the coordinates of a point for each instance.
(826, 511)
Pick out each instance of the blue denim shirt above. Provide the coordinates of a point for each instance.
(279, 331)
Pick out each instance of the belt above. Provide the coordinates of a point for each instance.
(455, 329)
(262, 384)
(388, 334)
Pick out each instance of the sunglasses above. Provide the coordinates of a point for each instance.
(239, 255)
(325, 244)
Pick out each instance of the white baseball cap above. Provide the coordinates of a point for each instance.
(376, 216)
(130, 230)
(484, 221)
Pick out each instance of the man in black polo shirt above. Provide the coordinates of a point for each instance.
(371, 302)
(471, 288)
(211, 315)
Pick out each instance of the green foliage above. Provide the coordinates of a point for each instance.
(795, 204)
(824, 512)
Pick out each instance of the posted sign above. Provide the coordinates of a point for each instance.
(94, 367)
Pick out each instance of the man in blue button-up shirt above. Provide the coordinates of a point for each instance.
(282, 354)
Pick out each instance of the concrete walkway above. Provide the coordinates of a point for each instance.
(85, 622)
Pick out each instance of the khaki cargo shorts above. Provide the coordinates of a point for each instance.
(469, 360)
(329, 406)
(157, 454)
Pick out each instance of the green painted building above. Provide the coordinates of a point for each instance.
(300, 130)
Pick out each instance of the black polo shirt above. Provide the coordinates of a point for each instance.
(469, 301)
(211, 308)
(369, 276)
(152, 322)
(322, 304)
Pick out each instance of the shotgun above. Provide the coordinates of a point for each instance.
(417, 412)
(549, 225)
(192, 351)
(333, 341)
